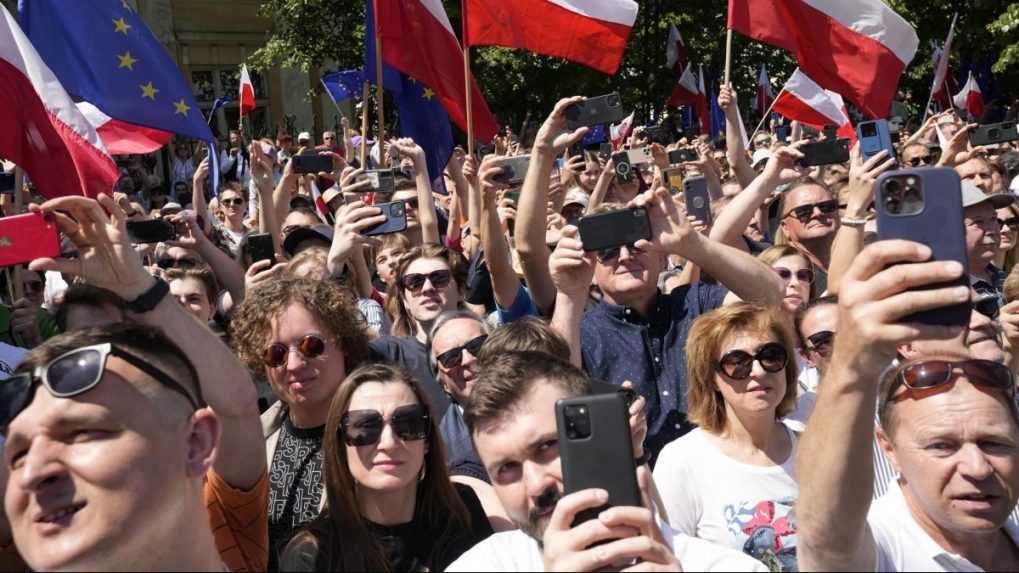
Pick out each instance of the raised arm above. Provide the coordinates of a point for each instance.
(505, 283)
(198, 202)
(572, 271)
(734, 149)
(427, 218)
(228, 271)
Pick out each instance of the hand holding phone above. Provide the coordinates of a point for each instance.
(514, 170)
(595, 111)
(698, 199)
(151, 231)
(312, 164)
(261, 248)
(396, 220)
(614, 229)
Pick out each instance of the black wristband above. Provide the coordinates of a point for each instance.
(150, 299)
(643, 459)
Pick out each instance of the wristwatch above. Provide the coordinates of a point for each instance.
(151, 298)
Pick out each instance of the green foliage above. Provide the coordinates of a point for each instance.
(1004, 28)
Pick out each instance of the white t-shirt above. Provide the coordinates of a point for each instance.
(713, 497)
(797, 419)
(517, 551)
(902, 545)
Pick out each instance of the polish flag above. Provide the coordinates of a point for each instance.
(765, 95)
(686, 91)
(970, 98)
(857, 48)
(43, 131)
(120, 137)
(804, 101)
(618, 133)
(247, 96)
(676, 56)
(941, 63)
(589, 32)
(948, 86)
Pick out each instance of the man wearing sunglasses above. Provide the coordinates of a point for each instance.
(810, 221)
(917, 155)
(948, 424)
(816, 324)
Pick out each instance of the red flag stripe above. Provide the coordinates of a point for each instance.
(122, 138)
(247, 95)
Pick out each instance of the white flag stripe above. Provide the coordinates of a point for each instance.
(807, 90)
(616, 11)
(874, 19)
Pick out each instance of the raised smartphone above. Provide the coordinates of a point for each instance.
(698, 200)
(874, 137)
(514, 170)
(595, 111)
(682, 156)
(151, 231)
(261, 248)
(396, 220)
(993, 133)
(614, 229)
(314, 164)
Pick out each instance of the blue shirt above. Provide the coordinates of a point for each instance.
(461, 457)
(618, 344)
(522, 306)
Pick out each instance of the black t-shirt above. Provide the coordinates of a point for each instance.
(295, 485)
(410, 546)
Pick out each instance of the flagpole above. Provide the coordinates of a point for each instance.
(19, 202)
(766, 114)
(380, 92)
(944, 80)
(365, 103)
(467, 78)
(728, 55)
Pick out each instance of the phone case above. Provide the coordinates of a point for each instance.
(677, 156)
(24, 238)
(826, 152)
(939, 225)
(604, 459)
(640, 155)
(607, 230)
(993, 133)
(152, 231)
(261, 248)
(514, 170)
(383, 180)
(874, 137)
(595, 111)
(396, 220)
(312, 164)
(623, 169)
(698, 200)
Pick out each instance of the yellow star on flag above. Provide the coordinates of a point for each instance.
(122, 26)
(126, 61)
(149, 91)
(429, 94)
(182, 108)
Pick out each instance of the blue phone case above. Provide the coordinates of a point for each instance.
(874, 136)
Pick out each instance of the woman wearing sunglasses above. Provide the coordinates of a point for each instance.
(731, 481)
(390, 503)
(429, 281)
(1008, 254)
(796, 272)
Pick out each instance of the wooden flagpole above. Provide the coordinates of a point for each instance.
(728, 55)
(467, 78)
(930, 98)
(365, 104)
(380, 91)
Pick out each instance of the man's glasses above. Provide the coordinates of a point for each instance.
(74, 373)
(802, 275)
(921, 160)
(988, 306)
(233, 202)
(364, 427)
(415, 282)
(805, 212)
(167, 263)
(931, 374)
(411, 203)
(820, 342)
(611, 254)
(739, 364)
(453, 357)
(310, 347)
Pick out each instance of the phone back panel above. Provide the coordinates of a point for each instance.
(874, 136)
(614, 229)
(596, 110)
(24, 238)
(939, 225)
(698, 200)
(396, 220)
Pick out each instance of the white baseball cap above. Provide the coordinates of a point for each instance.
(304, 136)
(759, 156)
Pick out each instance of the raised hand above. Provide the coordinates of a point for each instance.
(554, 136)
(572, 269)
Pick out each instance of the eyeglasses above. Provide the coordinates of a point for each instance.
(1011, 223)
(802, 275)
(804, 212)
(931, 374)
(411, 203)
(453, 357)
(739, 364)
(611, 254)
(988, 306)
(921, 160)
(310, 347)
(439, 279)
(364, 427)
(74, 373)
(232, 202)
(166, 263)
(820, 342)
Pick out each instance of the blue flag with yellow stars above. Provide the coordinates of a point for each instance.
(423, 119)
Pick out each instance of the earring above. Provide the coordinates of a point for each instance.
(423, 473)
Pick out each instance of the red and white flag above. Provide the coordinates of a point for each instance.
(676, 56)
(857, 48)
(944, 55)
(702, 104)
(618, 133)
(804, 101)
(970, 98)
(43, 131)
(590, 32)
(948, 87)
(120, 137)
(247, 95)
(765, 95)
(686, 91)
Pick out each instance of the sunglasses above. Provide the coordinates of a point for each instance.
(411, 203)
(739, 364)
(167, 263)
(310, 347)
(989, 306)
(611, 254)
(931, 374)
(921, 160)
(454, 357)
(804, 212)
(74, 373)
(821, 342)
(1012, 223)
(364, 427)
(802, 275)
(233, 202)
(439, 279)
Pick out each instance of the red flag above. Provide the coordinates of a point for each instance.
(590, 32)
(120, 137)
(764, 93)
(858, 48)
(618, 133)
(970, 98)
(676, 56)
(247, 95)
(43, 131)
(804, 101)
(686, 91)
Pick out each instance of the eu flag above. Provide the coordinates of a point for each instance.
(343, 85)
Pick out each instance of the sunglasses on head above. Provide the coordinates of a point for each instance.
(232, 202)
(364, 427)
(738, 364)
(310, 347)
(931, 374)
(612, 253)
(821, 341)
(74, 373)
(166, 263)
(805, 212)
(802, 275)
(454, 356)
(415, 282)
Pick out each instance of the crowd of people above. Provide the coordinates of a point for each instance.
(356, 401)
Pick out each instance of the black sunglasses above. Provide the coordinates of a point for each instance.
(74, 373)
(820, 342)
(454, 356)
(230, 202)
(921, 160)
(411, 203)
(804, 212)
(612, 253)
(415, 282)
(802, 275)
(989, 306)
(310, 347)
(739, 364)
(1011, 223)
(364, 427)
(167, 263)
(931, 374)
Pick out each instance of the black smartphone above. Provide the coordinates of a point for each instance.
(682, 156)
(596, 450)
(595, 111)
(993, 133)
(599, 387)
(261, 248)
(151, 231)
(826, 152)
(925, 206)
(614, 229)
(396, 220)
(6, 183)
(657, 134)
(623, 167)
(382, 180)
(514, 170)
(698, 200)
(312, 164)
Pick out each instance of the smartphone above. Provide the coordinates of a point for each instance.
(994, 133)
(874, 137)
(151, 231)
(514, 170)
(600, 387)
(698, 200)
(925, 206)
(657, 134)
(6, 183)
(382, 180)
(396, 220)
(614, 229)
(24, 238)
(623, 167)
(595, 111)
(596, 450)
(312, 164)
(675, 180)
(575, 150)
(682, 156)
(640, 155)
(826, 152)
